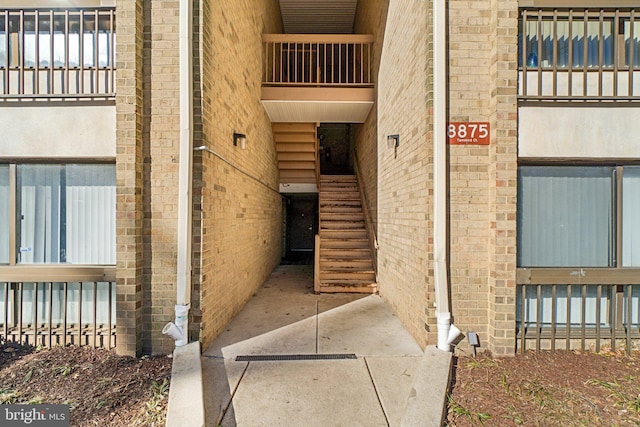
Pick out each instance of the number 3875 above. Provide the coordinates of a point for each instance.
(468, 130)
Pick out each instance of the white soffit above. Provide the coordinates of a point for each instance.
(317, 111)
(318, 16)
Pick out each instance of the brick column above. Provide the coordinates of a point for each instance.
(503, 177)
(129, 181)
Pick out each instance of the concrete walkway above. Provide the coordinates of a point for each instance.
(319, 360)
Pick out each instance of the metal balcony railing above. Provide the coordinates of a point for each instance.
(317, 60)
(78, 312)
(57, 53)
(579, 55)
(579, 316)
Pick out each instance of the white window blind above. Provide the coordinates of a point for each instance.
(565, 216)
(67, 214)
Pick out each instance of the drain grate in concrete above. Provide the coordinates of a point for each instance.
(291, 357)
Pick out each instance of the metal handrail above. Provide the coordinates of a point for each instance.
(57, 53)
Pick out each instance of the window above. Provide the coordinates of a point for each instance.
(566, 216)
(65, 214)
(631, 217)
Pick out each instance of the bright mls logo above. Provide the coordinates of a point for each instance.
(34, 415)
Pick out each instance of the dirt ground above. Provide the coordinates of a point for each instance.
(545, 389)
(101, 387)
(534, 389)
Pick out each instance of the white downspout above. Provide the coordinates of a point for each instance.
(440, 238)
(180, 329)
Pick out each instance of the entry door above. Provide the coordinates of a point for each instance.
(302, 224)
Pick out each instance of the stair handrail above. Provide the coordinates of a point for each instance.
(371, 233)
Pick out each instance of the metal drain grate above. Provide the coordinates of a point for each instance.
(291, 357)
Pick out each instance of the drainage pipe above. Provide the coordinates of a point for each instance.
(179, 330)
(440, 92)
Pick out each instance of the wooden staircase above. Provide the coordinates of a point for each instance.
(343, 254)
(296, 146)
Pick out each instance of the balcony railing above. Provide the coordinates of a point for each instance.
(79, 312)
(579, 55)
(317, 60)
(578, 316)
(57, 53)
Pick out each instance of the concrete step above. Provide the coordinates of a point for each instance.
(340, 286)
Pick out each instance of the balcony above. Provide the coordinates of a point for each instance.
(318, 77)
(579, 55)
(60, 54)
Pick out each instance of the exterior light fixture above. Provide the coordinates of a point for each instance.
(474, 341)
(393, 141)
(240, 139)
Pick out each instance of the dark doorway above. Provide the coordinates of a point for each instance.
(335, 146)
(301, 228)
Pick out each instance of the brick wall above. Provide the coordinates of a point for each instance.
(404, 180)
(482, 179)
(129, 165)
(241, 206)
(370, 18)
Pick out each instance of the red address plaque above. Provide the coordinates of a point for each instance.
(468, 133)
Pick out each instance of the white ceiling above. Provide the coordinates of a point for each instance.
(318, 16)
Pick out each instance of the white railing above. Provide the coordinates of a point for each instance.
(317, 60)
(57, 53)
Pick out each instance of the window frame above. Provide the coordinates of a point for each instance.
(14, 224)
(615, 275)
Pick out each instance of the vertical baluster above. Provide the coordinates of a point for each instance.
(21, 296)
(554, 310)
(6, 310)
(538, 315)
(539, 65)
(81, 43)
(111, 88)
(585, 51)
(35, 313)
(95, 314)
(554, 70)
(5, 17)
(570, 65)
(36, 69)
(598, 316)
(96, 50)
(628, 316)
(65, 289)
(21, 54)
(80, 313)
(525, 39)
(66, 90)
(523, 319)
(568, 320)
(110, 307)
(50, 83)
(600, 51)
(617, 50)
(631, 51)
(583, 317)
(613, 304)
(50, 314)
